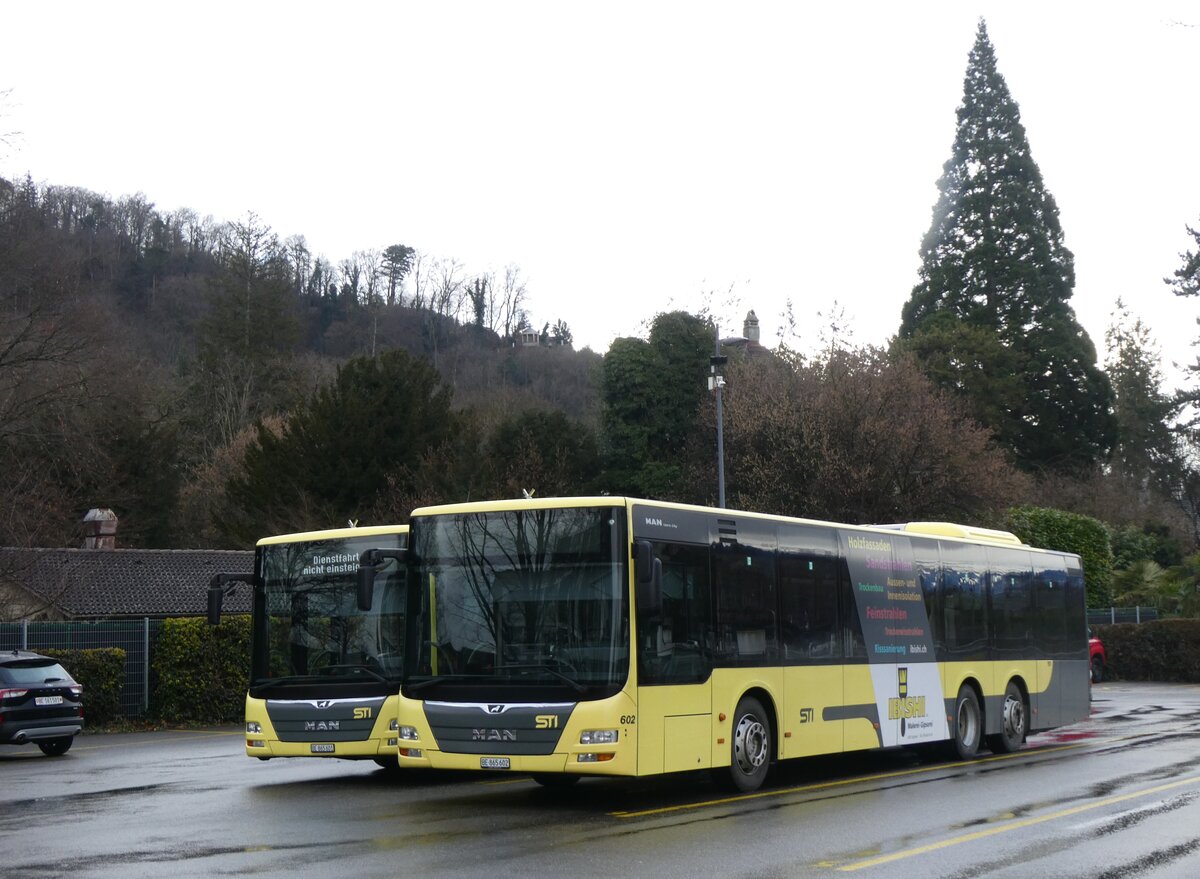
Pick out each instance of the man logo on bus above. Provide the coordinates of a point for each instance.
(904, 707)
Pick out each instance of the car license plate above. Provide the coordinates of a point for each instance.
(322, 749)
(47, 700)
(495, 763)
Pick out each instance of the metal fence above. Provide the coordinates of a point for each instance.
(1105, 615)
(136, 637)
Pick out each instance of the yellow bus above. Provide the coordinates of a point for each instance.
(324, 672)
(613, 636)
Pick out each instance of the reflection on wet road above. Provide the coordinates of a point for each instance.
(1115, 797)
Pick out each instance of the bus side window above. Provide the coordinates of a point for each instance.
(927, 561)
(1053, 617)
(744, 604)
(673, 649)
(1012, 609)
(963, 603)
(808, 606)
(853, 645)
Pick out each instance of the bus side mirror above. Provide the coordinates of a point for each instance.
(218, 587)
(643, 561)
(368, 566)
(215, 594)
(368, 562)
(648, 577)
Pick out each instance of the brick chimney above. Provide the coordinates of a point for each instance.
(100, 529)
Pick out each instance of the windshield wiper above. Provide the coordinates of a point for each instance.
(541, 666)
(429, 682)
(272, 683)
(358, 668)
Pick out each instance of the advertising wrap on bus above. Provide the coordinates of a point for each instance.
(891, 610)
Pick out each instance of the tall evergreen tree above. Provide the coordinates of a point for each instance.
(994, 261)
(1144, 452)
(1186, 282)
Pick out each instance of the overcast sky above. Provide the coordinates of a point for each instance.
(631, 158)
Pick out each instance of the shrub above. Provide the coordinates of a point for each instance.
(102, 672)
(202, 671)
(1160, 650)
(1059, 530)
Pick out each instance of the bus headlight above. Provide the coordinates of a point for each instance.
(394, 725)
(408, 733)
(253, 726)
(598, 737)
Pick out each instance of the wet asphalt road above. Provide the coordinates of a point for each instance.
(1115, 797)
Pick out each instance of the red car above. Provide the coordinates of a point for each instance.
(1098, 657)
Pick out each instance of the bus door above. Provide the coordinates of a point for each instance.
(675, 666)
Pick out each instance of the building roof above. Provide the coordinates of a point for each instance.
(82, 583)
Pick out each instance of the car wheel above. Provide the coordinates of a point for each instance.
(1097, 669)
(56, 747)
(1014, 722)
(968, 724)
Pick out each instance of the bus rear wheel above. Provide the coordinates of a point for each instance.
(1014, 722)
(750, 748)
(968, 723)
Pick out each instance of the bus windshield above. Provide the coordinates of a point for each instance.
(307, 625)
(520, 598)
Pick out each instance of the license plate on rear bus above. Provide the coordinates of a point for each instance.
(322, 749)
(495, 763)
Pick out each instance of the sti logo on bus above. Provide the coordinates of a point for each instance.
(363, 713)
(493, 735)
(546, 721)
(904, 707)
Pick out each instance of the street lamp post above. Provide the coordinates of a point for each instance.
(716, 383)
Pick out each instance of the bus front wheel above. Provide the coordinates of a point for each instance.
(968, 723)
(1014, 722)
(750, 748)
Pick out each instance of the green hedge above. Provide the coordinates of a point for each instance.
(101, 671)
(202, 671)
(1160, 650)
(1047, 528)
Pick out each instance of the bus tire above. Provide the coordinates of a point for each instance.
(390, 765)
(750, 748)
(556, 780)
(968, 723)
(1014, 722)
